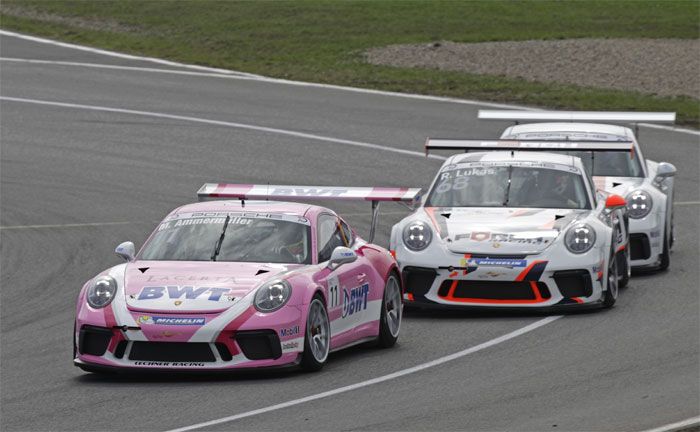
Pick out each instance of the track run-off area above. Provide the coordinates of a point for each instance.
(97, 147)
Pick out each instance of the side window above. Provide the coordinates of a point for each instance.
(329, 236)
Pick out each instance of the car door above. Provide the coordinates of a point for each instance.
(348, 287)
(371, 280)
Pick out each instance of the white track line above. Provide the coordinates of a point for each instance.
(687, 203)
(74, 225)
(96, 224)
(508, 336)
(125, 68)
(671, 128)
(227, 124)
(244, 75)
(695, 421)
(122, 55)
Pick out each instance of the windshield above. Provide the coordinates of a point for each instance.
(509, 186)
(244, 239)
(604, 164)
(610, 164)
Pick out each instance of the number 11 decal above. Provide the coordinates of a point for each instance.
(333, 292)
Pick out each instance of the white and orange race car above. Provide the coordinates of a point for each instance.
(646, 185)
(513, 229)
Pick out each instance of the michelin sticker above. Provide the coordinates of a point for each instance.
(498, 262)
(165, 320)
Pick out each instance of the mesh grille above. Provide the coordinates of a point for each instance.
(172, 351)
(493, 290)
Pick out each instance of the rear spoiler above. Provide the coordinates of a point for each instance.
(243, 192)
(579, 116)
(526, 145)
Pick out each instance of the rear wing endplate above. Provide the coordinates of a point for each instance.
(243, 192)
(525, 145)
(579, 116)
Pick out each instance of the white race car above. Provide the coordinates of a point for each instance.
(646, 185)
(511, 229)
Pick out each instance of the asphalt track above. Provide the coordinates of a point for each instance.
(77, 181)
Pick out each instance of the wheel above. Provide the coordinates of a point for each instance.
(665, 254)
(392, 310)
(317, 342)
(611, 288)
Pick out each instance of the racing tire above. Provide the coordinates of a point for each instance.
(391, 313)
(317, 339)
(665, 254)
(612, 283)
(75, 343)
(625, 268)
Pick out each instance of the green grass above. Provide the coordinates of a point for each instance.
(322, 41)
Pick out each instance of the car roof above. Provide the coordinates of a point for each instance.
(616, 130)
(504, 156)
(299, 209)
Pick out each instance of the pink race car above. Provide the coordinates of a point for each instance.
(224, 285)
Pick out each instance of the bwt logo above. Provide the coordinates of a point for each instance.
(356, 300)
(548, 145)
(309, 192)
(177, 292)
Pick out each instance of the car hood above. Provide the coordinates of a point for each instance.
(193, 287)
(500, 231)
(618, 185)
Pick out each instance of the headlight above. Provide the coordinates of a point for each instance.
(101, 292)
(580, 238)
(639, 204)
(417, 235)
(272, 296)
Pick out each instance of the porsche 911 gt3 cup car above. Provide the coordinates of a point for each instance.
(241, 284)
(512, 229)
(646, 185)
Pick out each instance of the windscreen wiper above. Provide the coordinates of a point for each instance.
(217, 248)
(510, 173)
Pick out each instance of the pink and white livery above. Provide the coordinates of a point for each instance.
(233, 284)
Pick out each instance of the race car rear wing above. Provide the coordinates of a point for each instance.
(579, 116)
(243, 192)
(525, 145)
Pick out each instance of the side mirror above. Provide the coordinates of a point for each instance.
(663, 171)
(615, 201)
(341, 255)
(126, 250)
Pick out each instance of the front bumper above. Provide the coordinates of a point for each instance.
(646, 240)
(248, 340)
(529, 282)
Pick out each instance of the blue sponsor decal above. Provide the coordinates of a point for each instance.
(498, 262)
(165, 320)
(177, 292)
(356, 300)
(291, 331)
